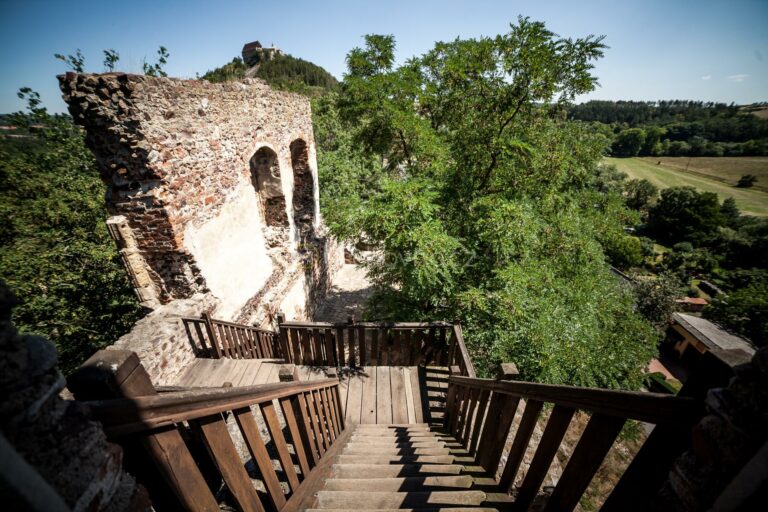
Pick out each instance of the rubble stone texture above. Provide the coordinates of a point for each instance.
(729, 439)
(52, 435)
(214, 199)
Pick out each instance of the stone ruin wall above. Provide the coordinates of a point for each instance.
(214, 202)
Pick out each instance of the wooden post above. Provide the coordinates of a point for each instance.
(282, 336)
(216, 353)
(288, 373)
(507, 371)
(119, 374)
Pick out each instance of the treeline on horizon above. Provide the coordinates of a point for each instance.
(676, 127)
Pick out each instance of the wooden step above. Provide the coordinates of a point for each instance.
(384, 443)
(356, 500)
(401, 484)
(395, 459)
(428, 509)
(358, 471)
(386, 450)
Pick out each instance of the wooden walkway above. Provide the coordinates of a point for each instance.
(214, 373)
(370, 394)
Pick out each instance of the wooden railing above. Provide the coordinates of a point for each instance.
(480, 413)
(374, 344)
(216, 339)
(188, 435)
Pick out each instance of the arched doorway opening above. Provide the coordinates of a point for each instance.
(303, 188)
(265, 176)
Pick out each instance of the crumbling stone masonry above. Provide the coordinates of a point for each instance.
(51, 456)
(213, 194)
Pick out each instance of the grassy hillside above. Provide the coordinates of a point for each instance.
(750, 200)
(283, 72)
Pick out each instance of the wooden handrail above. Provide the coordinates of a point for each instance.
(186, 435)
(388, 325)
(656, 408)
(215, 338)
(372, 344)
(122, 416)
(461, 354)
(480, 413)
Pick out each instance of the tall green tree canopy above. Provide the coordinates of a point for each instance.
(478, 194)
(55, 252)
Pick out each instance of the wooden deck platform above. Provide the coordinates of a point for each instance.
(369, 395)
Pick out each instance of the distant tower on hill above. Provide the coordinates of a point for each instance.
(253, 53)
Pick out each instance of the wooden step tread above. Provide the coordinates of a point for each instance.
(384, 450)
(400, 484)
(430, 509)
(358, 471)
(355, 500)
(395, 459)
(395, 444)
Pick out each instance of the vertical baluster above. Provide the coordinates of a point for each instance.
(481, 410)
(330, 347)
(519, 445)
(223, 451)
(291, 415)
(375, 346)
(258, 451)
(589, 453)
(270, 418)
(545, 452)
(299, 404)
(363, 356)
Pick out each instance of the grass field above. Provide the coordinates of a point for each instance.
(724, 168)
(751, 201)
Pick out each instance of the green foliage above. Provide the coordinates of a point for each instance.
(75, 62)
(683, 213)
(747, 181)
(640, 194)
(55, 252)
(234, 70)
(460, 168)
(678, 127)
(156, 69)
(281, 72)
(624, 252)
(111, 57)
(628, 142)
(655, 298)
(745, 310)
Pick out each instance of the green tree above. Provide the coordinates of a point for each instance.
(482, 202)
(75, 62)
(157, 69)
(628, 142)
(747, 181)
(656, 298)
(683, 213)
(640, 194)
(111, 57)
(744, 310)
(55, 251)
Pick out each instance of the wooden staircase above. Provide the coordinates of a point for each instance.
(315, 444)
(410, 466)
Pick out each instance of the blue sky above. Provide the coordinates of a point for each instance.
(705, 49)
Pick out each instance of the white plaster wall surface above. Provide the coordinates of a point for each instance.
(230, 250)
(294, 304)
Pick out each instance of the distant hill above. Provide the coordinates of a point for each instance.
(283, 72)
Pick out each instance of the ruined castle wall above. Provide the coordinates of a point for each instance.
(174, 153)
(214, 198)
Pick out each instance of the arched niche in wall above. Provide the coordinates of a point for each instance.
(265, 176)
(303, 188)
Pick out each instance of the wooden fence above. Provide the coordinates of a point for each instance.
(216, 339)
(185, 434)
(374, 344)
(479, 413)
